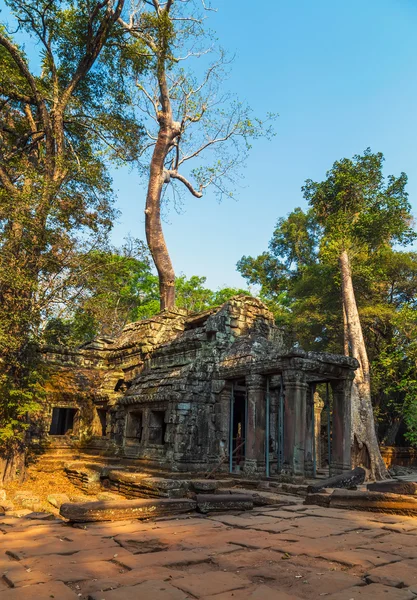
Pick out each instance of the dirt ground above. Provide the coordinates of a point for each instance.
(280, 553)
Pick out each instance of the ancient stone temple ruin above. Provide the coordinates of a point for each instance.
(217, 390)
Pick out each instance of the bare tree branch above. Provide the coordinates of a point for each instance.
(188, 185)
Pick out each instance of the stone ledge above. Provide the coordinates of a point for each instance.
(125, 509)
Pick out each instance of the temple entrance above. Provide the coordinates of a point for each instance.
(238, 412)
(62, 420)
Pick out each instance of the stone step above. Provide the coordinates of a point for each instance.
(141, 485)
(125, 509)
(207, 503)
(374, 501)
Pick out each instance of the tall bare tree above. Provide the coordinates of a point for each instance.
(189, 117)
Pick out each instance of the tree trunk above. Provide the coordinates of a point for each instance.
(392, 431)
(12, 467)
(365, 450)
(153, 225)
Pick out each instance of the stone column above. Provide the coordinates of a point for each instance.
(318, 409)
(294, 421)
(309, 437)
(255, 426)
(222, 423)
(341, 434)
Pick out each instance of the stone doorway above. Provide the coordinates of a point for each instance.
(238, 426)
(62, 420)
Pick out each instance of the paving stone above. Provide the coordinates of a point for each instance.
(82, 571)
(58, 546)
(129, 578)
(56, 589)
(370, 592)
(401, 539)
(277, 527)
(362, 558)
(40, 516)
(391, 548)
(258, 592)
(245, 521)
(208, 584)
(280, 513)
(296, 545)
(149, 590)
(301, 578)
(146, 546)
(79, 558)
(162, 559)
(400, 574)
(402, 527)
(315, 528)
(17, 576)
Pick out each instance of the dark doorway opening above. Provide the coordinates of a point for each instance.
(62, 420)
(157, 427)
(134, 425)
(102, 415)
(239, 410)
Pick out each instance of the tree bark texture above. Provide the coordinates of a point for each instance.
(365, 449)
(154, 234)
(168, 132)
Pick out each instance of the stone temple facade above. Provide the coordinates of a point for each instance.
(218, 390)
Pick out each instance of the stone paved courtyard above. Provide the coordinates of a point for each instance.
(273, 552)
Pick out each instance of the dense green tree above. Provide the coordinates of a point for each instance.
(62, 114)
(331, 261)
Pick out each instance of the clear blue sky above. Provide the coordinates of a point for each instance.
(341, 74)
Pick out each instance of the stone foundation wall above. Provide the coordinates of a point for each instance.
(393, 455)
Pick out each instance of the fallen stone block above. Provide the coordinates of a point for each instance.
(125, 509)
(374, 501)
(141, 485)
(344, 480)
(223, 502)
(107, 496)
(407, 488)
(57, 499)
(204, 486)
(84, 476)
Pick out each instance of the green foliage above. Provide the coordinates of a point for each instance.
(61, 123)
(117, 286)
(19, 400)
(194, 297)
(358, 210)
